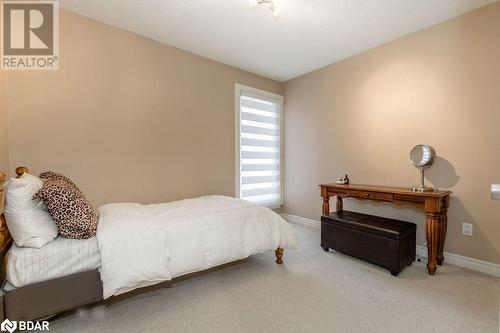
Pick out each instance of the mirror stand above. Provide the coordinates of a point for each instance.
(422, 187)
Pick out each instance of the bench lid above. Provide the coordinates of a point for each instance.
(372, 224)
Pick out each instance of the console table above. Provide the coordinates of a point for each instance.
(434, 203)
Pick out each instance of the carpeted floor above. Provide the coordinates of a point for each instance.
(313, 291)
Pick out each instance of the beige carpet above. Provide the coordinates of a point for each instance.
(313, 291)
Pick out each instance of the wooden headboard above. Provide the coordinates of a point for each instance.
(5, 239)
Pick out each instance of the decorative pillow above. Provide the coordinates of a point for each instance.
(55, 176)
(71, 211)
(28, 220)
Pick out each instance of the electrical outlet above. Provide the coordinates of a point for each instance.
(467, 229)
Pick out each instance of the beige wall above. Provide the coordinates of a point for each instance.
(129, 119)
(4, 137)
(440, 86)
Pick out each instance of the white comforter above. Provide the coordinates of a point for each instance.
(142, 245)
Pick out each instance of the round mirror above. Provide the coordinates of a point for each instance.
(422, 156)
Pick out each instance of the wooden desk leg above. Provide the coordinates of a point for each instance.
(340, 203)
(326, 205)
(443, 225)
(279, 255)
(431, 228)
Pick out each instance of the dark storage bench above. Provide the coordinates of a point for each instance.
(381, 241)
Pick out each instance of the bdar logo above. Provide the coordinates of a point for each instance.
(29, 34)
(8, 326)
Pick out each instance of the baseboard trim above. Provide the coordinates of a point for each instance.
(301, 220)
(465, 262)
(450, 258)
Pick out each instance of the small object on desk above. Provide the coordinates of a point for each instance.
(343, 180)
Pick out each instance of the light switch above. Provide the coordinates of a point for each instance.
(495, 191)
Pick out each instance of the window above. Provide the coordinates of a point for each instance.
(259, 153)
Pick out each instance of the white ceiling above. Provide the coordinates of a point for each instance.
(307, 35)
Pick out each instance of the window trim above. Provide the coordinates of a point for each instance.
(239, 88)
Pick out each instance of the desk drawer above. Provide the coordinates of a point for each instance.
(335, 191)
(371, 195)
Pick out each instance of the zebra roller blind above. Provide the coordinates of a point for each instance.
(260, 148)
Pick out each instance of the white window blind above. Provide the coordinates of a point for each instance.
(260, 162)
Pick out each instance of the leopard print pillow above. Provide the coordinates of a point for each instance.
(55, 176)
(71, 211)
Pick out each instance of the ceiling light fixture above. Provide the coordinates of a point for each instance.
(273, 6)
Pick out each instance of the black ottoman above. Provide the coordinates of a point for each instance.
(381, 241)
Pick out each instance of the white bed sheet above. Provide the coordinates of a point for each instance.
(59, 258)
(142, 245)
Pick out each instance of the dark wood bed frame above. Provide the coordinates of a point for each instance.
(48, 298)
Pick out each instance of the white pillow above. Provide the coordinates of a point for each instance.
(28, 220)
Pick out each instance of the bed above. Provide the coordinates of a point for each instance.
(136, 246)
(61, 257)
